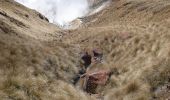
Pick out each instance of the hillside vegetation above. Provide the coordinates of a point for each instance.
(38, 60)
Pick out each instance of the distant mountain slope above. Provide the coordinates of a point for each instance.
(25, 20)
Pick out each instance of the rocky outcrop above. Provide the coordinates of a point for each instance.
(96, 3)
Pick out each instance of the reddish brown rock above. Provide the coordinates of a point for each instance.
(92, 80)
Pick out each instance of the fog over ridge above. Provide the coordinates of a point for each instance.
(58, 11)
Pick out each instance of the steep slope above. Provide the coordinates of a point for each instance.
(24, 19)
(135, 38)
(31, 66)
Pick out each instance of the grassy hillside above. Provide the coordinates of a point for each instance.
(135, 38)
(32, 67)
(38, 60)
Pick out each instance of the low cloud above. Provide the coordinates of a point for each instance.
(58, 11)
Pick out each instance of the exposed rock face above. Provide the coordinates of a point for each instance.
(92, 80)
(96, 3)
(74, 24)
(43, 17)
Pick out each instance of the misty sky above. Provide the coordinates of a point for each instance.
(58, 11)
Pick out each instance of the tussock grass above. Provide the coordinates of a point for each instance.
(32, 73)
(132, 87)
(36, 70)
(133, 35)
(135, 43)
